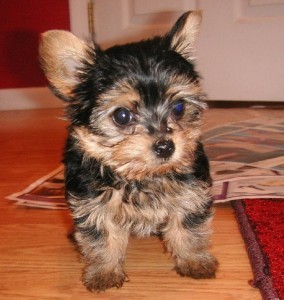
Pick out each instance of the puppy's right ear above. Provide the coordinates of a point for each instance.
(62, 58)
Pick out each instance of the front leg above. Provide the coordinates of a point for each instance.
(187, 238)
(103, 244)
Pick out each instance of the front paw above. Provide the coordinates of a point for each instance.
(200, 267)
(101, 281)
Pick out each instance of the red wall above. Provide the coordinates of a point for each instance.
(21, 22)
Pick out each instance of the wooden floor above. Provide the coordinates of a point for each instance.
(38, 262)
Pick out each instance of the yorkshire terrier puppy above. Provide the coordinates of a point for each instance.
(134, 163)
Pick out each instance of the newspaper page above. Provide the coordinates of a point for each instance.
(246, 158)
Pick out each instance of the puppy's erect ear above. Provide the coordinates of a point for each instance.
(62, 56)
(184, 33)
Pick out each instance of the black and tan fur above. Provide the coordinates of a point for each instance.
(119, 178)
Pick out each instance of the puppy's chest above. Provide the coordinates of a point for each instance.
(151, 195)
(145, 207)
(141, 207)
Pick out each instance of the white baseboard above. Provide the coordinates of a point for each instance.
(28, 98)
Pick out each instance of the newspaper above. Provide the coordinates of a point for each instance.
(246, 158)
(46, 192)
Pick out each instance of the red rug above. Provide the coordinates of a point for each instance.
(262, 226)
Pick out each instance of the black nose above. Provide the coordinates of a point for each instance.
(164, 148)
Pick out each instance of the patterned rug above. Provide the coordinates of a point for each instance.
(261, 223)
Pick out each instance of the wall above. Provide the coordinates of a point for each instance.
(21, 23)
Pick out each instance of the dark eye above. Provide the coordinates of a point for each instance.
(178, 110)
(122, 116)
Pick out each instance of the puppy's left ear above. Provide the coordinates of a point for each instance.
(184, 33)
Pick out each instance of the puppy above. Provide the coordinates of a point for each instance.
(134, 163)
